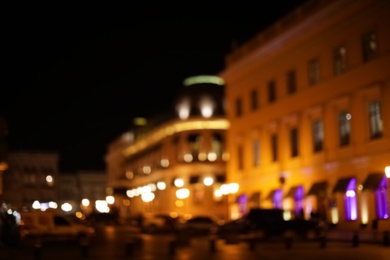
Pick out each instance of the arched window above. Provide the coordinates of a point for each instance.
(217, 145)
(195, 144)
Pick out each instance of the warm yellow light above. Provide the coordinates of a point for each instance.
(110, 199)
(130, 193)
(179, 203)
(3, 166)
(85, 202)
(161, 185)
(218, 193)
(179, 182)
(224, 189)
(173, 214)
(146, 169)
(164, 163)
(49, 178)
(206, 107)
(147, 197)
(212, 157)
(182, 193)
(334, 214)
(109, 191)
(188, 157)
(387, 171)
(140, 121)
(126, 202)
(225, 156)
(208, 181)
(202, 156)
(79, 214)
(184, 109)
(129, 175)
(233, 188)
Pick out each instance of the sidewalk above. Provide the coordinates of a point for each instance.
(361, 235)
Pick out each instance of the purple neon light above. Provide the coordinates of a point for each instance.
(242, 201)
(351, 201)
(382, 205)
(298, 200)
(277, 199)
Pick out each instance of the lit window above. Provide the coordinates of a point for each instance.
(183, 109)
(206, 107)
(376, 127)
(314, 71)
(318, 135)
(370, 46)
(339, 60)
(195, 143)
(344, 128)
(217, 145)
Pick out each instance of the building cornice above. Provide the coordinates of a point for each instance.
(174, 127)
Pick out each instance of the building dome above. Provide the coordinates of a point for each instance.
(201, 96)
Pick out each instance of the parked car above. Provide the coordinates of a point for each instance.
(271, 223)
(158, 223)
(199, 225)
(48, 225)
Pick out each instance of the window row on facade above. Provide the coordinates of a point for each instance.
(341, 124)
(192, 147)
(369, 51)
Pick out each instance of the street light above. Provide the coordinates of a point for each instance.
(387, 172)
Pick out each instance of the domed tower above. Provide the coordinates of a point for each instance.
(176, 164)
(201, 96)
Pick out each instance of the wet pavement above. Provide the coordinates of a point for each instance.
(124, 243)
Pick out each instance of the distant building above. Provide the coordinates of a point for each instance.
(69, 191)
(309, 105)
(175, 165)
(32, 176)
(92, 186)
(89, 186)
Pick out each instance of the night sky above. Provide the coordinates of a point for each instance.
(76, 76)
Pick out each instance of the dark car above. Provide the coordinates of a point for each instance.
(199, 225)
(271, 223)
(158, 223)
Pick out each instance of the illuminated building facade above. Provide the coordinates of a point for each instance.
(32, 176)
(176, 166)
(309, 109)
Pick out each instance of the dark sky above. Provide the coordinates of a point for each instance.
(76, 76)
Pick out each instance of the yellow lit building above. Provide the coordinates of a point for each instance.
(309, 109)
(176, 166)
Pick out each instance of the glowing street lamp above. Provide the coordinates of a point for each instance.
(387, 172)
(110, 199)
(182, 193)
